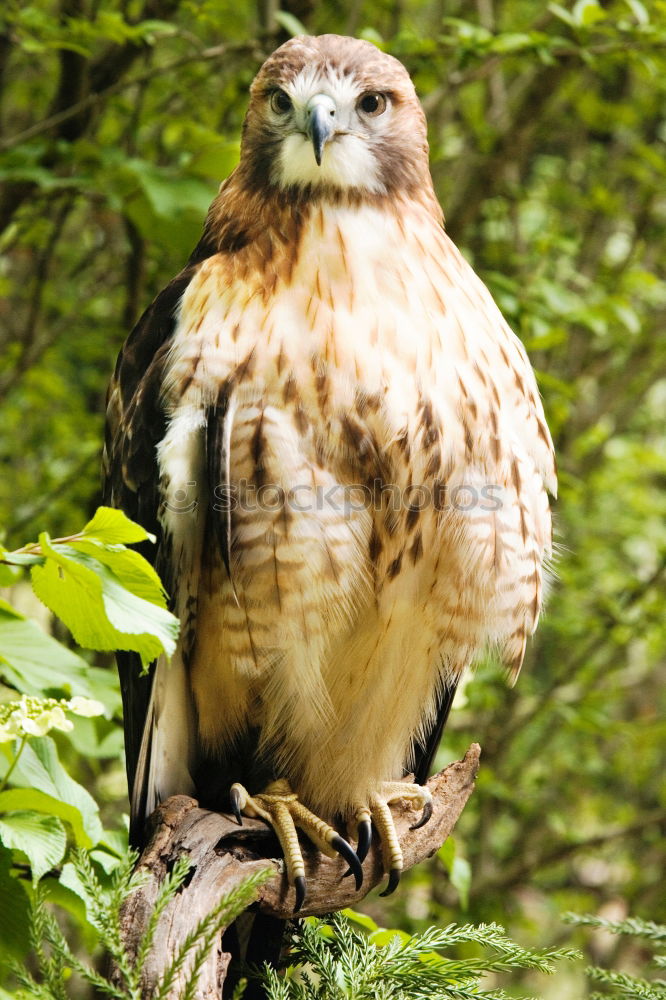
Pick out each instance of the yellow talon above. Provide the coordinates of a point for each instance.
(280, 807)
(418, 796)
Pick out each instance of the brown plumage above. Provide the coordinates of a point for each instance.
(341, 445)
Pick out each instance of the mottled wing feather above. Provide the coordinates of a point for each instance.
(135, 425)
(219, 421)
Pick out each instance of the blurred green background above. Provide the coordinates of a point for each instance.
(118, 119)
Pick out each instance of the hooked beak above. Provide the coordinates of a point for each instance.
(320, 123)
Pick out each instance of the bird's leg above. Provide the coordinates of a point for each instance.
(377, 810)
(280, 808)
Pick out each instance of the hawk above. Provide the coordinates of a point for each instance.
(340, 446)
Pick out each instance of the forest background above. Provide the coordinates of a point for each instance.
(547, 128)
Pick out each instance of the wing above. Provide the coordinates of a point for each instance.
(135, 425)
(498, 408)
(424, 753)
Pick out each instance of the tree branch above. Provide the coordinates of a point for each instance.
(531, 861)
(252, 49)
(222, 855)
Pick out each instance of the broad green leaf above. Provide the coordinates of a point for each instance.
(39, 768)
(24, 558)
(169, 194)
(64, 897)
(35, 663)
(94, 739)
(108, 862)
(69, 878)
(18, 799)
(115, 841)
(113, 527)
(100, 613)
(361, 918)
(385, 935)
(132, 571)
(41, 838)
(14, 913)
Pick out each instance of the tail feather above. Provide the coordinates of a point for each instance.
(167, 755)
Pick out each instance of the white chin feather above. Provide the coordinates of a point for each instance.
(347, 162)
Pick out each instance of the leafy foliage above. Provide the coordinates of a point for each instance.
(43, 809)
(335, 960)
(629, 987)
(56, 960)
(108, 595)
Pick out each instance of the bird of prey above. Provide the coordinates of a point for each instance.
(340, 446)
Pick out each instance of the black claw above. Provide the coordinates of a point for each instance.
(350, 856)
(299, 886)
(394, 879)
(425, 816)
(234, 799)
(364, 839)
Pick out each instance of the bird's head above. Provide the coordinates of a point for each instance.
(334, 115)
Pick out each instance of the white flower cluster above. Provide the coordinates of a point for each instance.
(37, 716)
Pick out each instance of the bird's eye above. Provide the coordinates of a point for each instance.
(280, 102)
(372, 104)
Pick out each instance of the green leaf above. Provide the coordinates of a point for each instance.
(24, 558)
(69, 901)
(511, 42)
(14, 913)
(587, 12)
(8, 575)
(447, 853)
(459, 871)
(69, 878)
(108, 862)
(41, 838)
(562, 13)
(35, 663)
(132, 571)
(215, 159)
(384, 936)
(169, 194)
(7, 609)
(99, 611)
(112, 527)
(461, 879)
(290, 23)
(360, 918)
(370, 34)
(39, 768)
(13, 799)
(639, 10)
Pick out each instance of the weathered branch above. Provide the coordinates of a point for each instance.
(222, 855)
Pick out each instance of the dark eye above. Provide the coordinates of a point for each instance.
(280, 102)
(372, 104)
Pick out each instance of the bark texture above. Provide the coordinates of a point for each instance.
(222, 854)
